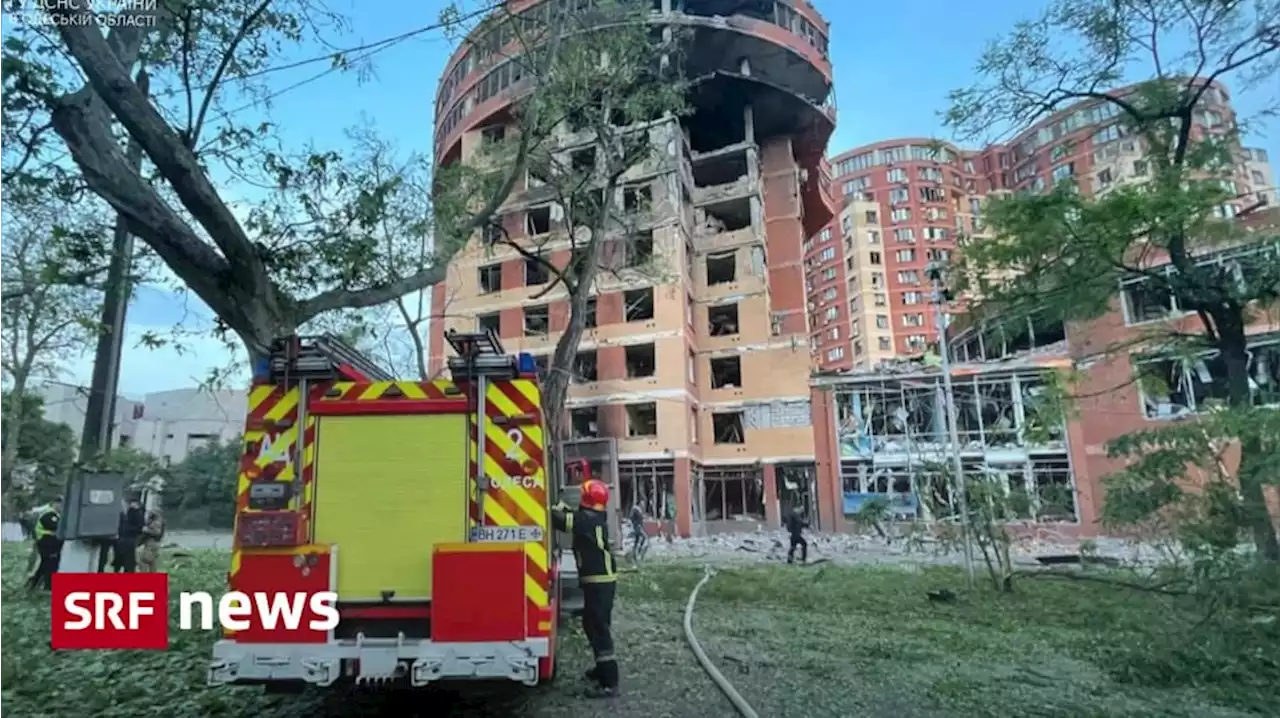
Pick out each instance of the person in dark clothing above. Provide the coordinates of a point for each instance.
(796, 526)
(589, 526)
(640, 539)
(126, 545)
(49, 546)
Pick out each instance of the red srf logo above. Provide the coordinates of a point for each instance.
(110, 610)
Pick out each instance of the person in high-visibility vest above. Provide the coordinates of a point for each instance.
(49, 546)
(598, 576)
(29, 531)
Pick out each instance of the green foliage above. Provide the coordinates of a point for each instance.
(1064, 253)
(201, 490)
(43, 456)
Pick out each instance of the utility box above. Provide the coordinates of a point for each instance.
(92, 505)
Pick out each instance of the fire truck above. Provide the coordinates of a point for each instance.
(424, 505)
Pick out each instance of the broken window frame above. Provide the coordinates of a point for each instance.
(721, 484)
(494, 319)
(728, 428)
(1188, 382)
(633, 355)
(729, 323)
(717, 261)
(633, 301)
(588, 414)
(540, 314)
(728, 367)
(586, 366)
(649, 483)
(491, 271)
(647, 407)
(536, 273)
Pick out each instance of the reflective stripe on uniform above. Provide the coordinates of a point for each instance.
(608, 556)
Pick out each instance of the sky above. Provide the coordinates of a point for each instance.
(894, 63)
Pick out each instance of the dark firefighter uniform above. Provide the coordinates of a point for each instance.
(589, 526)
(48, 545)
(795, 526)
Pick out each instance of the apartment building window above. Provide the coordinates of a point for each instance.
(1107, 134)
(829, 294)
(913, 320)
(642, 420)
(930, 174)
(872, 217)
(934, 234)
(726, 427)
(906, 255)
(904, 234)
(835, 353)
(846, 224)
(881, 300)
(827, 254)
(490, 278)
(1258, 178)
(877, 280)
(722, 320)
(833, 333)
(932, 194)
(1224, 211)
(855, 327)
(722, 267)
(537, 321)
(916, 342)
(489, 323)
(829, 273)
(641, 360)
(912, 297)
(896, 174)
(590, 314)
(882, 321)
(1064, 172)
(726, 372)
(638, 304)
(824, 235)
(639, 250)
(585, 422)
(586, 367)
(832, 314)
(535, 273)
(875, 257)
(885, 344)
(1104, 177)
(857, 348)
(538, 220)
(898, 196)
(873, 237)
(938, 255)
(975, 207)
(909, 276)
(848, 264)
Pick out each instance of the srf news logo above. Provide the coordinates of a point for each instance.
(131, 611)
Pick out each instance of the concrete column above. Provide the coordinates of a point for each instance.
(684, 498)
(772, 509)
(749, 122)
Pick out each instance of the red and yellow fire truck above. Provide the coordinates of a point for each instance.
(425, 505)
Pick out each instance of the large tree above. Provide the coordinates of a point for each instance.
(604, 94)
(45, 323)
(310, 245)
(1066, 251)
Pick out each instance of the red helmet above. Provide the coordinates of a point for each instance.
(593, 495)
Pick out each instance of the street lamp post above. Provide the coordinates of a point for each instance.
(936, 271)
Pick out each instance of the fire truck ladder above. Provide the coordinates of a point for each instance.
(321, 358)
(480, 359)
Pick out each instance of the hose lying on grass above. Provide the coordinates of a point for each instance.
(744, 708)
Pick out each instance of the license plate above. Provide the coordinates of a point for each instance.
(506, 533)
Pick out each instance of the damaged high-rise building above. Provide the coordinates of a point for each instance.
(690, 390)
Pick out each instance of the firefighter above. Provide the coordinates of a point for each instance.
(795, 526)
(49, 546)
(149, 547)
(589, 526)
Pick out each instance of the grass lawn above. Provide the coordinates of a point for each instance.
(803, 642)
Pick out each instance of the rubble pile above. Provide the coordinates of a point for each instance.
(869, 549)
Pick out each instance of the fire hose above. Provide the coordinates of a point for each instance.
(740, 703)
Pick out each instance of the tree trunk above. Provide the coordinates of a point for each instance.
(555, 388)
(13, 418)
(1233, 347)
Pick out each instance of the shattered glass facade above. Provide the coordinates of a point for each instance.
(894, 442)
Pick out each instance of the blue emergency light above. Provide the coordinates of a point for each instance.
(262, 369)
(525, 363)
